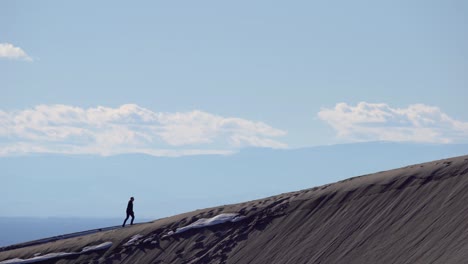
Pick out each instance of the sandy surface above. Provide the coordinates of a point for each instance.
(415, 214)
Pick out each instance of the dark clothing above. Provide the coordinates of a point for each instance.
(129, 213)
(130, 207)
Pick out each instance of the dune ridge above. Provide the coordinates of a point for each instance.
(414, 214)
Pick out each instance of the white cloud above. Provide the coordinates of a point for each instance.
(128, 129)
(416, 123)
(9, 51)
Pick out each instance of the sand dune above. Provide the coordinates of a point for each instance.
(415, 214)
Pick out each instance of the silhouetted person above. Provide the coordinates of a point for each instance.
(129, 212)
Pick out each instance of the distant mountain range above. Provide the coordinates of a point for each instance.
(99, 187)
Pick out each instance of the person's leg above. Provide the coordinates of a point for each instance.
(133, 217)
(125, 220)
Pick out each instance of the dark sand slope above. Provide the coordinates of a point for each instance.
(416, 214)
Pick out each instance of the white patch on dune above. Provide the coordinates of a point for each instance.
(104, 245)
(204, 222)
(133, 240)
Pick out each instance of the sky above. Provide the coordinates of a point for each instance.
(173, 78)
(84, 83)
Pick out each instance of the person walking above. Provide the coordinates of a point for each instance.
(129, 212)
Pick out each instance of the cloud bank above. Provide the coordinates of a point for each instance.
(416, 123)
(9, 51)
(129, 128)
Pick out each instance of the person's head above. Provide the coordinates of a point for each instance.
(131, 199)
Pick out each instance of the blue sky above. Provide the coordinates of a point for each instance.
(190, 77)
(178, 78)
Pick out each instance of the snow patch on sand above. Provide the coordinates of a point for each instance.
(104, 245)
(39, 258)
(205, 222)
(133, 240)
